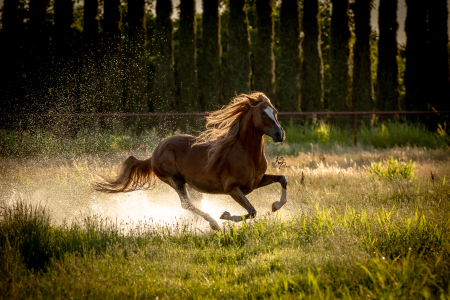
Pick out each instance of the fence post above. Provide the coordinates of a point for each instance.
(160, 126)
(355, 129)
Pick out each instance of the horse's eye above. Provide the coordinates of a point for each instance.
(263, 114)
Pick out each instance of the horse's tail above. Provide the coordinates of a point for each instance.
(133, 174)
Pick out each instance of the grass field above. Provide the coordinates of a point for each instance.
(365, 222)
(299, 138)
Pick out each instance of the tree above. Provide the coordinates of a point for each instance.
(289, 80)
(64, 73)
(239, 67)
(91, 28)
(113, 61)
(339, 58)
(63, 33)
(164, 83)
(10, 16)
(387, 71)
(264, 67)
(187, 61)
(38, 62)
(211, 67)
(362, 67)
(312, 85)
(438, 77)
(136, 69)
(91, 82)
(416, 56)
(10, 72)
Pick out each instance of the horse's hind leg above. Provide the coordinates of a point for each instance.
(194, 195)
(180, 187)
(240, 198)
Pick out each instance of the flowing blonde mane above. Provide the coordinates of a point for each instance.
(222, 126)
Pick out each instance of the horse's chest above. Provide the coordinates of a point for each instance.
(247, 170)
(253, 179)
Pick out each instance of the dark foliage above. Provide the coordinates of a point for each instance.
(438, 77)
(67, 58)
(37, 63)
(362, 99)
(65, 71)
(312, 76)
(113, 61)
(10, 61)
(339, 58)
(136, 66)
(210, 62)
(164, 82)
(63, 36)
(91, 78)
(238, 64)
(387, 71)
(187, 61)
(289, 79)
(416, 96)
(264, 66)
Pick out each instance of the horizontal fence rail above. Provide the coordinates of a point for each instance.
(160, 116)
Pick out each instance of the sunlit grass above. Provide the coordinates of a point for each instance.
(43, 142)
(298, 139)
(391, 168)
(342, 234)
(403, 134)
(321, 135)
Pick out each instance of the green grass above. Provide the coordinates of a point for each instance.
(353, 236)
(365, 223)
(43, 143)
(320, 133)
(403, 134)
(392, 168)
(383, 136)
(298, 138)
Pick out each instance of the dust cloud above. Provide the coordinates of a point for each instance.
(63, 186)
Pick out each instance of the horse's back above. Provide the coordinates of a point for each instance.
(178, 156)
(173, 148)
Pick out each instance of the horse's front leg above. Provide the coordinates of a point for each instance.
(240, 198)
(269, 179)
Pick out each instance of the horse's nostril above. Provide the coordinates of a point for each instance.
(278, 134)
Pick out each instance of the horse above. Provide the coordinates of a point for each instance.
(228, 158)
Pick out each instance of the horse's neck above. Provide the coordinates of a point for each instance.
(250, 140)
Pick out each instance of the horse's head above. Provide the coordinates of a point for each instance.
(265, 119)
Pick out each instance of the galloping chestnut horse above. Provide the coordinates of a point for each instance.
(228, 158)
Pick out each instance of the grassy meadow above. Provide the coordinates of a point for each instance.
(369, 221)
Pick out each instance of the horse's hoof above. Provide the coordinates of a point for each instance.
(225, 216)
(214, 225)
(275, 206)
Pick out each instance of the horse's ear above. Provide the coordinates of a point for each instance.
(253, 101)
(263, 97)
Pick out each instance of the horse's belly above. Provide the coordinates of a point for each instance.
(252, 185)
(205, 185)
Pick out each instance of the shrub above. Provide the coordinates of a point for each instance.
(392, 168)
(26, 229)
(394, 134)
(320, 133)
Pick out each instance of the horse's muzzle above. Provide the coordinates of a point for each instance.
(279, 136)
